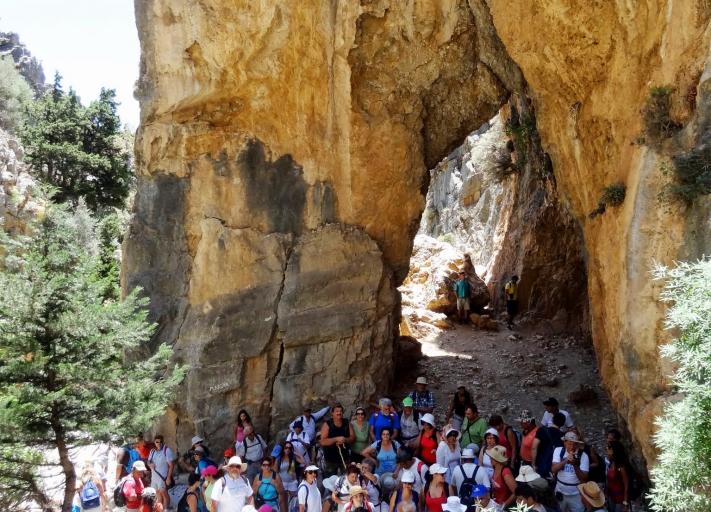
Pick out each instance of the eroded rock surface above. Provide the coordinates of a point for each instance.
(274, 129)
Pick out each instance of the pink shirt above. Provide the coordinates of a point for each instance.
(132, 490)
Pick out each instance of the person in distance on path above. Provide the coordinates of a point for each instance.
(462, 289)
(511, 291)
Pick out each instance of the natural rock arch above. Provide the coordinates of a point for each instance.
(284, 145)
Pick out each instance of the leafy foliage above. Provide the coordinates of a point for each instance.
(693, 174)
(74, 367)
(15, 95)
(682, 475)
(612, 195)
(656, 114)
(80, 150)
(522, 130)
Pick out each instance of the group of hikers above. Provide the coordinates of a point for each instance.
(463, 291)
(387, 460)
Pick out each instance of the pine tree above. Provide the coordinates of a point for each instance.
(682, 473)
(74, 368)
(77, 149)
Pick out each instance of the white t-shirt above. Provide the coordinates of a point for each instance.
(231, 494)
(309, 496)
(409, 429)
(420, 474)
(300, 441)
(251, 450)
(482, 477)
(547, 420)
(448, 458)
(161, 458)
(309, 422)
(343, 491)
(567, 479)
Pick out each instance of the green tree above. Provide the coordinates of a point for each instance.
(15, 95)
(79, 150)
(74, 368)
(682, 474)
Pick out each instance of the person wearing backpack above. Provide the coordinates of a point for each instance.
(267, 487)
(406, 461)
(126, 456)
(232, 492)
(436, 490)
(570, 467)
(308, 495)
(161, 461)
(384, 418)
(466, 476)
(193, 500)
(131, 487)
(252, 449)
(385, 451)
(91, 491)
(618, 481)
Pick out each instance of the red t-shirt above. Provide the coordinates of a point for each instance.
(499, 490)
(132, 490)
(428, 449)
(144, 449)
(433, 504)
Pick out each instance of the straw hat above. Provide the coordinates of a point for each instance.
(356, 490)
(592, 493)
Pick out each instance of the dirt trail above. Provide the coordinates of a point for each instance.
(508, 371)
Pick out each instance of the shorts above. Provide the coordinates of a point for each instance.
(512, 307)
(571, 503)
(158, 483)
(462, 303)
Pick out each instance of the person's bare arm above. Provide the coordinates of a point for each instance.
(534, 452)
(329, 441)
(281, 491)
(626, 486)
(514, 445)
(368, 452)
(351, 434)
(393, 496)
(511, 484)
(192, 503)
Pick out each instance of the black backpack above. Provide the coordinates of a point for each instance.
(466, 490)
(119, 498)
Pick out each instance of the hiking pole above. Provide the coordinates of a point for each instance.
(341, 455)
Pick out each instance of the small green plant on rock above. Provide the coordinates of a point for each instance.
(521, 129)
(692, 170)
(612, 195)
(658, 123)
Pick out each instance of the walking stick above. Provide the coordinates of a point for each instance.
(341, 455)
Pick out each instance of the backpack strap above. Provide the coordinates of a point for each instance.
(306, 501)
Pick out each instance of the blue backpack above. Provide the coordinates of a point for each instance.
(89, 495)
(132, 457)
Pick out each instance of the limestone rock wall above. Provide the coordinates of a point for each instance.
(285, 143)
(282, 156)
(589, 77)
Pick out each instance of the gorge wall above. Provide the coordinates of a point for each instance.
(282, 161)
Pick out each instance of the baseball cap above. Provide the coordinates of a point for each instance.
(407, 402)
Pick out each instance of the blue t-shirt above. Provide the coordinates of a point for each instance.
(387, 459)
(378, 420)
(461, 288)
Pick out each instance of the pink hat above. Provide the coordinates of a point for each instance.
(209, 471)
(265, 508)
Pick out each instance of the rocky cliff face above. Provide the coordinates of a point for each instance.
(30, 68)
(283, 154)
(18, 190)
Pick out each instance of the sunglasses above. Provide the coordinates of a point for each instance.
(360, 414)
(265, 465)
(311, 472)
(407, 483)
(234, 467)
(287, 448)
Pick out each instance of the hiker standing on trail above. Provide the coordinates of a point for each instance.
(462, 290)
(473, 429)
(336, 435)
(160, 460)
(300, 440)
(457, 407)
(385, 451)
(308, 494)
(253, 449)
(570, 467)
(552, 408)
(132, 486)
(384, 418)
(232, 492)
(423, 399)
(470, 473)
(308, 420)
(409, 425)
(511, 291)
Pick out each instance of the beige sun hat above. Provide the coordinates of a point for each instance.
(356, 490)
(592, 493)
(498, 453)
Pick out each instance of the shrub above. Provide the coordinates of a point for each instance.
(658, 123)
(612, 195)
(447, 238)
(693, 174)
(15, 95)
(682, 474)
(521, 129)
